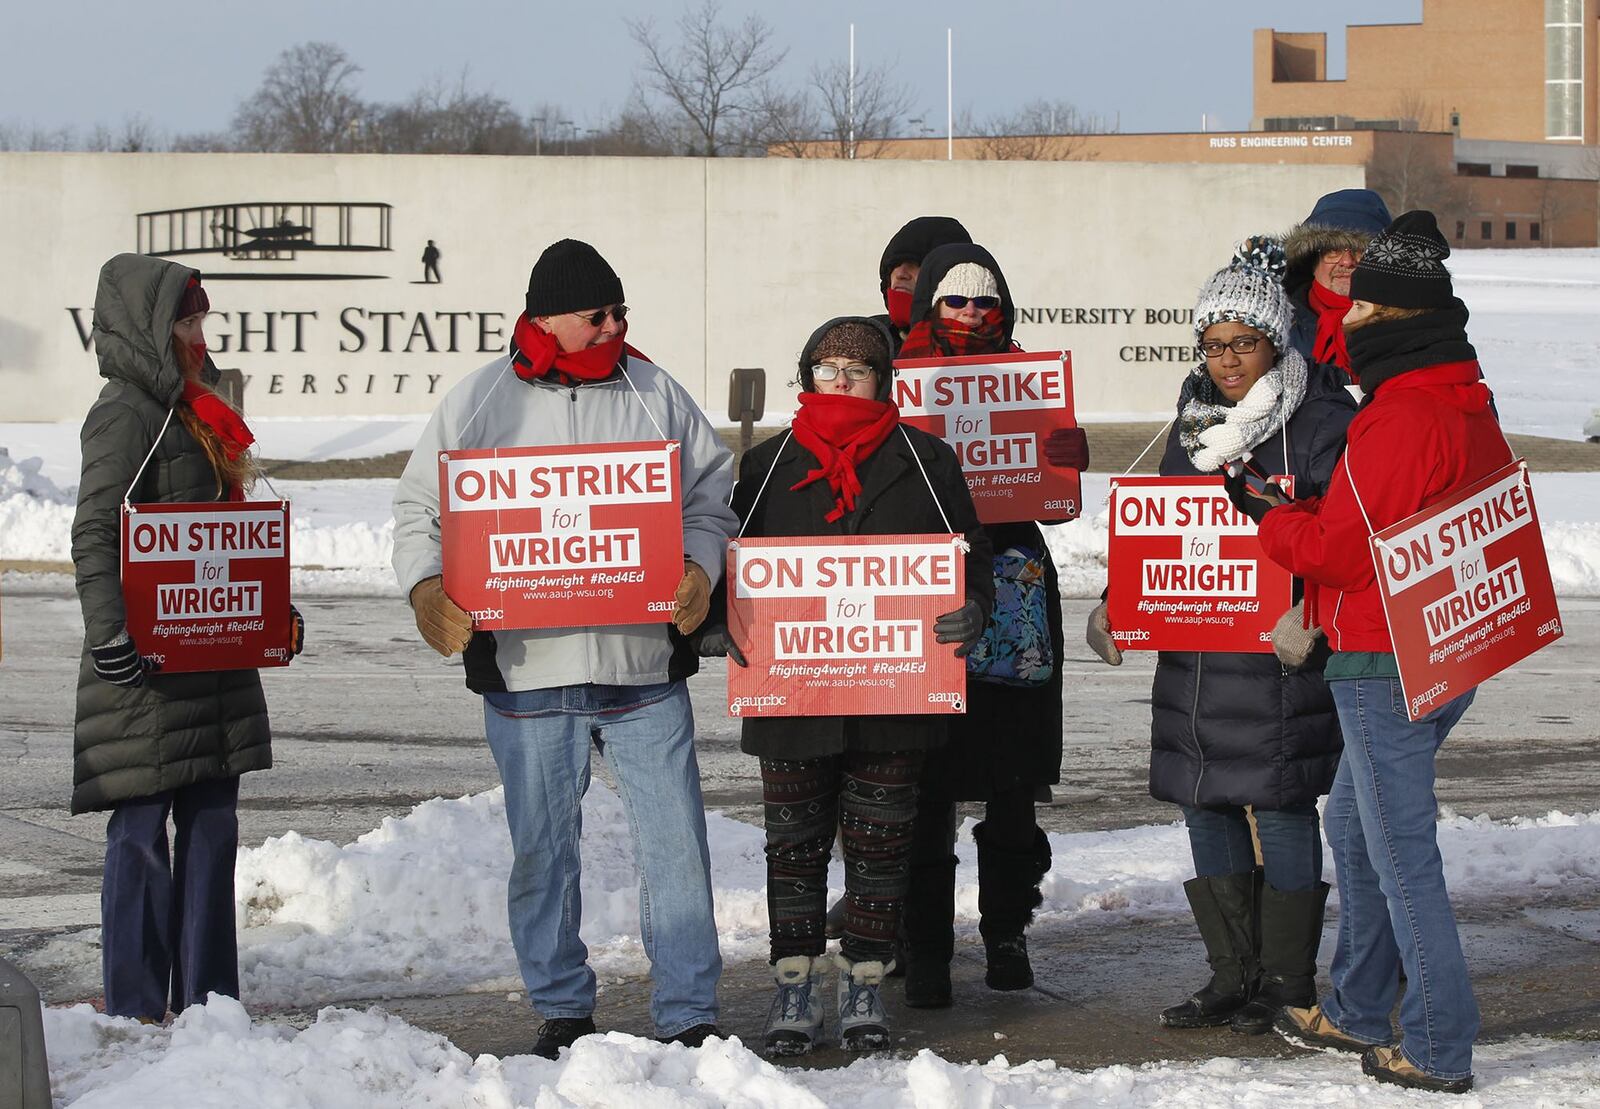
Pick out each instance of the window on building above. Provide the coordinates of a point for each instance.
(1563, 69)
(1486, 230)
(1378, 125)
(1472, 169)
(1521, 171)
(1461, 230)
(1511, 231)
(1298, 123)
(1533, 231)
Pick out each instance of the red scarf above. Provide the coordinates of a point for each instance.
(1330, 308)
(216, 414)
(842, 431)
(535, 352)
(898, 302)
(936, 338)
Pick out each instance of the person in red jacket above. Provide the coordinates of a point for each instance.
(1425, 429)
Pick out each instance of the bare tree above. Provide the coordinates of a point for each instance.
(136, 135)
(862, 128)
(1407, 173)
(709, 83)
(1415, 111)
(787, 122)
(34, 137)
(1041, 130)
(306, 104)
(440, 119)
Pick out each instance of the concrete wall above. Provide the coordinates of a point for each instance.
(726, 263)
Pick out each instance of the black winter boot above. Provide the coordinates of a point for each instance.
(1291, 932)
(1008, 894)
(1225, 910)
(927, 924)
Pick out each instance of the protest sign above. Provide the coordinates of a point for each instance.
(1466, 588)
(997, 410)
(843, 625)
(1186, 571)
(561, 537)
(206, 585)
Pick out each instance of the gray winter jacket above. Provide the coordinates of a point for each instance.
(493, 407)
(176, 729)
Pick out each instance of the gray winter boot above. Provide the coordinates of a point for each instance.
(794, 1023)
(863, 1024)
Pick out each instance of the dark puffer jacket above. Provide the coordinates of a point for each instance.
(176, 729)
(1238, 729)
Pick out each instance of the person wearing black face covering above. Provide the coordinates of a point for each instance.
(1425, 430)
(901, 261)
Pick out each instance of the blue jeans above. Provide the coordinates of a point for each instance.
(1291, 844)
(1381, 822)
(541, 740)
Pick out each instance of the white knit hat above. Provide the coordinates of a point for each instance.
(967, 279)
(1249, 290)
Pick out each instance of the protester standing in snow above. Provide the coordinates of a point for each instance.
(548, 694)
(1425, 430)
(1322, 254)
(147, 744)
(902, 261)
(1234, 729)
(1008, 745)
(847, 466)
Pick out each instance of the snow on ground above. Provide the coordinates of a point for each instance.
(417, 906)
(218, 1057)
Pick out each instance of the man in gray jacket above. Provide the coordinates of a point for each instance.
(549, 693)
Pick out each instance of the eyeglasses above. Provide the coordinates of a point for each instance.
(824, 372)
(1239, 344)
(1336, 255)
(982, 304)
(617, 312)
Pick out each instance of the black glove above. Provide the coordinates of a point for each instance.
(120, 663)
(297, 631)
(1252, 504)
(711, 640)
(964, 626)
(1067, 447)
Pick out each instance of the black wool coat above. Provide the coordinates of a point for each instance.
(1240, 729)
(176, 729)
(895, 500)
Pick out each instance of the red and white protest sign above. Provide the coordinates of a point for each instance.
(996, 410)
(206, 585)
(562, 537)
(843, 625)
(1466, 588)
(1186, 571)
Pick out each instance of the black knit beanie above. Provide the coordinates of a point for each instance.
(569, 277)
(914, 241)
(194, 300)
(1404, 266)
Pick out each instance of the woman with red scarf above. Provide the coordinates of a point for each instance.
(147, 745)
(1008, 746)
(846, 466)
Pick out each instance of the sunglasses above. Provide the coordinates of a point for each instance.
(982, 304)
(824, 372)
(595, 319)
(1240, 344)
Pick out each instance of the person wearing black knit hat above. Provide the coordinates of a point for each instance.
(569, 378)
(902, 260)
(1425, 430)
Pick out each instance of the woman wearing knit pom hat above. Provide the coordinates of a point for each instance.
(1008, 745)
(1230, 730)
(847, 466)
(1426, 429)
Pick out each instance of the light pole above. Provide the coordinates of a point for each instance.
(566, 143)
(538, 134)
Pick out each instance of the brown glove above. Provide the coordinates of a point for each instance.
(444, 625)
(1098, 636)
(1292, 641)
(693, 597)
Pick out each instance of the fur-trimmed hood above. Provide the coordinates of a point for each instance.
(1343, 220)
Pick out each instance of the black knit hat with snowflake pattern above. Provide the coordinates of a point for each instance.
(1404, 266)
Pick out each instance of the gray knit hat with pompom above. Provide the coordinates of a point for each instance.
(1250, 290)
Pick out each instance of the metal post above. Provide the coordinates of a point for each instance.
(24, 1070)
(949, 94)
(852, 147)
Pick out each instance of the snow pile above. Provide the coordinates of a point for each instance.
(35, 515)
(218, 1058)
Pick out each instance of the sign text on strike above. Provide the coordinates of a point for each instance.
(499, 484)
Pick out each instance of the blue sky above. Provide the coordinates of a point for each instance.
(1151, 65)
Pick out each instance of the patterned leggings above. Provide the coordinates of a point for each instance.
(871, 797)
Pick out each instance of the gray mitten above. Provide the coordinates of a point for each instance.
(1098, 636)
(1292, 641)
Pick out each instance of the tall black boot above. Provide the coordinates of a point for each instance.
(1008, 894)
(927, 924)
(1225, 910)
(1291, 932)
